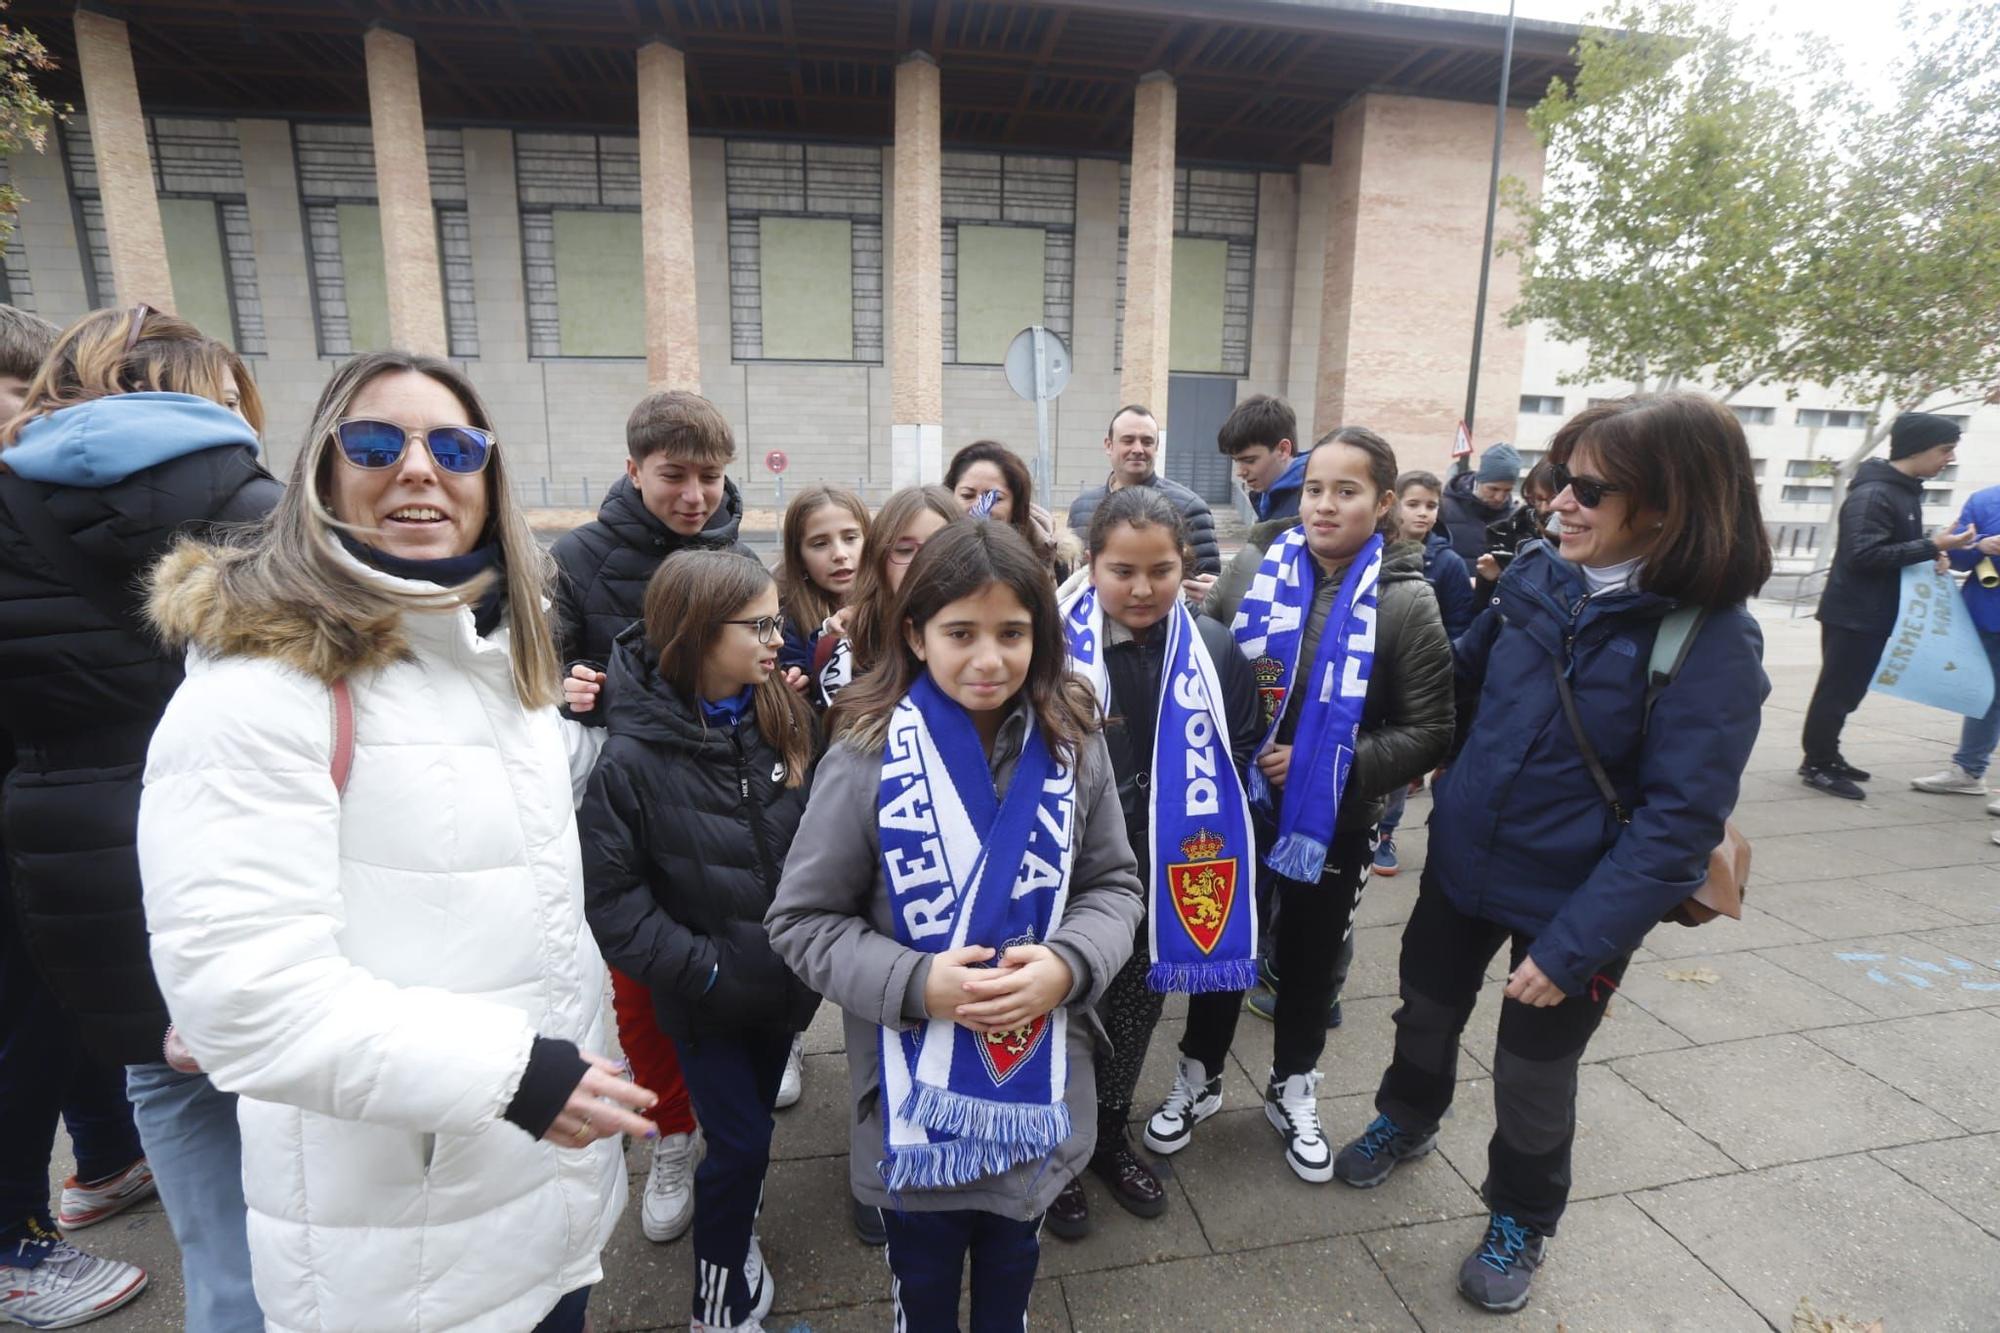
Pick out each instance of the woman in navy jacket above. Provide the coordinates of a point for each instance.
(1659, 511)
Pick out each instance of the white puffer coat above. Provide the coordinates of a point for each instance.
(368, 971)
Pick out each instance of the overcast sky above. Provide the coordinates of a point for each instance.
(1864, 29)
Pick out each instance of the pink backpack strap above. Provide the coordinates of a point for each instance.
(342, 702)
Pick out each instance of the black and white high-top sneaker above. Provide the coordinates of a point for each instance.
(1293, 1111)
(1194, 1098)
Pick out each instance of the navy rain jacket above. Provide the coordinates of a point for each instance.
(1520, 835)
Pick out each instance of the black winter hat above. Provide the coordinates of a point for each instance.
(1914, 432)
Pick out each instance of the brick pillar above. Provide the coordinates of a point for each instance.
(124, 168)
(403, 186)
(916, 326)
(1149, 248)
(673, 350)
(1405, 219)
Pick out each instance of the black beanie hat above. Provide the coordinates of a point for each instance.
(1914, 432)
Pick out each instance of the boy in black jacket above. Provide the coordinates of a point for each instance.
(675, 496)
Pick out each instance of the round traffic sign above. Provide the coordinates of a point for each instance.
(776, 460)
(1024, 377)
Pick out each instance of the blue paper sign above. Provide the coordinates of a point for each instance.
(1934, 656)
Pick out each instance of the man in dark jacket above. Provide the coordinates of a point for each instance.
(675, 496)
(1473, 500)
(1133, 445)
(1881, 531)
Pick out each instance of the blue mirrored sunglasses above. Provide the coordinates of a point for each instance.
(375, 445)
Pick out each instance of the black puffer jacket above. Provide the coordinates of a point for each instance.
(1881, 530)
(1463, 517)
(604, 566)
(81, 695)
(685, 830)
(1406, 722)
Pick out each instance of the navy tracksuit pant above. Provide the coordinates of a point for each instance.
(927, 1254)
(733, 1082)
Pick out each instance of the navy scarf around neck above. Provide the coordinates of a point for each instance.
(448, 572)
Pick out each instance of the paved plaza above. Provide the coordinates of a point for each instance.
(1805, 1104)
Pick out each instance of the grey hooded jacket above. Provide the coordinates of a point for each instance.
(830, 923)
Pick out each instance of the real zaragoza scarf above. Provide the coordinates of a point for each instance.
(965, 867)
(1270, 625)
(1201, 922)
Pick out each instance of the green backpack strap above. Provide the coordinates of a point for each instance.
(1670, 649)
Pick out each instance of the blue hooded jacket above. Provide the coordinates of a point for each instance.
(102, 442)
(1282, 500)
(1982, 511)
(1520, 835)
(1449, 578)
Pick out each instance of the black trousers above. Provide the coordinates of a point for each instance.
(927, 1261)
(1847, 659)
(1312, 922)
(1443, 965)
(1129, 1010)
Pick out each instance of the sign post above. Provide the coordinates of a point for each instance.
(1038, 368)
(777, 463)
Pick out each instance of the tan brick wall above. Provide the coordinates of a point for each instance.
(1408, 209)
(1149, 246)
(916, 327)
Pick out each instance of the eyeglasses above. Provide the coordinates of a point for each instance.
(904, 551)
(1589, 491)
(374, 445)
(768, 629)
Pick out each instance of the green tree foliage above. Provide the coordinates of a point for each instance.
(25, 114)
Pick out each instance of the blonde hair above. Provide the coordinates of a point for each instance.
(139, 350)
(291, 560)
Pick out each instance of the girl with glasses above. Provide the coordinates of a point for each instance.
(856, 635)
(1659, 532)
(687, 823)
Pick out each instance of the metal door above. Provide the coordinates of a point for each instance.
(1197, 405)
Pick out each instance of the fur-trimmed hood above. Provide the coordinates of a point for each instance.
(192, 606)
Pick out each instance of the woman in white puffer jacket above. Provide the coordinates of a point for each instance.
(387, 972)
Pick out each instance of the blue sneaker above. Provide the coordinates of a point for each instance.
(1382, 1147)
(1497, 1275)
(1385, 856)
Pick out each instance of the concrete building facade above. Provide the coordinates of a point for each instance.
(1192, 223)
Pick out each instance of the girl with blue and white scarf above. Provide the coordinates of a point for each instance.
(1181, 723)
(961, 885)
(1350, 656)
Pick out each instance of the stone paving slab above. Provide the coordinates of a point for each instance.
(1847, 1232)
(1750, 997)
(1841, 910)
(1945, 1061)
(1329, 1284)
(1757, 930)
(1623, 1140)
(1895, 976)
(1970, 893)
(1611, 1267)
(1780, 1099)
(1964, 1174)
(1245, 1196)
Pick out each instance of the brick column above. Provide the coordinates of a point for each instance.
(1149, 248)
(124, 168)
(916, 326)
(673, 349)
(403, 185)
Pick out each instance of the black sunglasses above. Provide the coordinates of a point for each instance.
(375, 445)
(1589, 491)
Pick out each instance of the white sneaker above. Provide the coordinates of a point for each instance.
(1293, 1111)
(668, 1207)
(66, 1288)
(87, 1205)
(1193, 1099)
(756, 1276)
(793, 1085)
(1953, 781)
